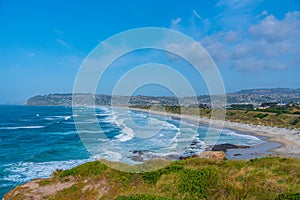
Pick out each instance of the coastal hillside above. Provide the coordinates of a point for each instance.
(249, 96)
(266, 91)
(193, 178)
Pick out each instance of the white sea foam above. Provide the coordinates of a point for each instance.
(112, 156)
(110, 119)
(63, 133)
(105, 109)
(174, 139)
(68, 117)
(186, 139)
(162, 154)
(102, 114)
(60, 116)
(127, 134)
(173, 146)
(141, 115)
(250, 137)
(103, 140)
(70, 122)
(129, 129)
(51, 118)
(169, 126)
(3, 185)
(24, 171)
(21, 127)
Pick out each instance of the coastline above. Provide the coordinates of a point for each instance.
(289, 140)
(273, 144)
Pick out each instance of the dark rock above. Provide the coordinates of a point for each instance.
(139, 155)
(136, 158)
(237, 154)
(225, 146)
(139, 152)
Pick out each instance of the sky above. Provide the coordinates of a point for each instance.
(255, 44)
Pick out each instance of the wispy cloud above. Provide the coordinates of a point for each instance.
(263, 14)
(58, 31)
(239, 38)
(63, 43)
(30, 54)
(236, 14)
(175, 22)
(196, 14)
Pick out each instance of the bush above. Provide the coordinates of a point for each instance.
(288, 196)
(231, 114)
(152, 177)
(295, 122)
(88, 169)
(260, 115)
(196, 184)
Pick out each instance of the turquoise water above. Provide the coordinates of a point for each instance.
(35, 141)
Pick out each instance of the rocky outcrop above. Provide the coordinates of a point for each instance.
(224, 147)
(214, 155)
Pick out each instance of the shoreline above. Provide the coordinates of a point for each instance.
(289, 140)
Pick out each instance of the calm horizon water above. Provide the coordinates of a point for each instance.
(37, 140)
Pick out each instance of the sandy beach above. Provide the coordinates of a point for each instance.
(288, 138)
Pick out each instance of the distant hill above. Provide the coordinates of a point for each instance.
(65, 99)
(264, 91)
(258, 96)
(252, 96)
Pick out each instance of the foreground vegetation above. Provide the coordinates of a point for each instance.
(266, 117)
(193, 178)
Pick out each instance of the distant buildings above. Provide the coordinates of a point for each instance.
(245, 99)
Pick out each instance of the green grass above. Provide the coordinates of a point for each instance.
(44, 182)
(193, 178)
(152, 177)
(93, 169)
(288, 196)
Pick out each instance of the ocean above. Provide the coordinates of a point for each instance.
(37, 140)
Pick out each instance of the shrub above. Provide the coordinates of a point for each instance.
(196, 184)
(88, 169)
(260, 115)
(288, 196)
(295, 122)
(230, 113)
(152, 177)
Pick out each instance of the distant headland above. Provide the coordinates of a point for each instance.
(246, 96)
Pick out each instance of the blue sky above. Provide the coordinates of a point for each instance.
(255, 44)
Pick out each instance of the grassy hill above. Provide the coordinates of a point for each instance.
(193, 178)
